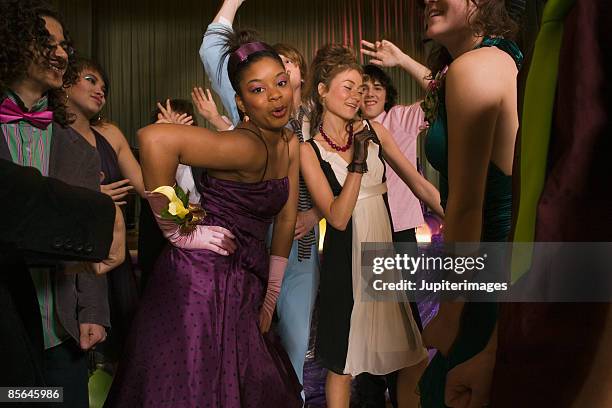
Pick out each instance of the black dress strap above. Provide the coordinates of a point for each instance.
(109, 162)
(286, 139)
(327, 170)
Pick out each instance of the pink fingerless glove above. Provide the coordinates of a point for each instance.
(278, 264)
(216, 239)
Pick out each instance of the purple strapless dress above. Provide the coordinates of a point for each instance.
(195, 340)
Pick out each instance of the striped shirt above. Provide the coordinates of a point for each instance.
(304, 201)
(30, 146)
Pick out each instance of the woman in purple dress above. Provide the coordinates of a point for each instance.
(200, 336)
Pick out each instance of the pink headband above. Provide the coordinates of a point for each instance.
(245, 50)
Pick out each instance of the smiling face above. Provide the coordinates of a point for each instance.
(46, 73)
(88, 95)
(374, 99)
(446, 19)
(344, 95)
(265, 94)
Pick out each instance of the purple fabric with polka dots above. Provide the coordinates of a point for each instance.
(195, 341)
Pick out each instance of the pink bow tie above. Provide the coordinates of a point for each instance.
(11, 112)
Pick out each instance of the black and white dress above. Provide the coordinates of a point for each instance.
(356, 335)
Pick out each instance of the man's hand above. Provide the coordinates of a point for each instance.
(468, 384)
(306, 221)
(90, 335)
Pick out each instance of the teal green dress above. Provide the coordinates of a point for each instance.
(478, 319)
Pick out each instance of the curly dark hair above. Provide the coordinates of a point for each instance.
(25, 39)
(490, 18)
(375, 73)
(329, 61)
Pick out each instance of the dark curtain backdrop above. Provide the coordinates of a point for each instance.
(150, 47)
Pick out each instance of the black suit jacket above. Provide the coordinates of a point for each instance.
(80, 298)
(35, 211)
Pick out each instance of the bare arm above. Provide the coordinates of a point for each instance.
(128, 164)
(284, 223)
(473, 107)
(163, 147)
(336, 210)
(386, 54)
(228, 11)
(421, 188)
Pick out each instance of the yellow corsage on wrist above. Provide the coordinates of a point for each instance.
(179, 209)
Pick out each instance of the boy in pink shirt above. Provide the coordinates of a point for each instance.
(404, 122)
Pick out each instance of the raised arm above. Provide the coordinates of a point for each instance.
(210, 54)
(164, 146)
(421, 188)
(386, 54)
(206, 106)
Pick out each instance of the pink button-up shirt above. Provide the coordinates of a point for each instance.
(404, 122)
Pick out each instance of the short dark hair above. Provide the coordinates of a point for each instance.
(82, 63)
(375, 73)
